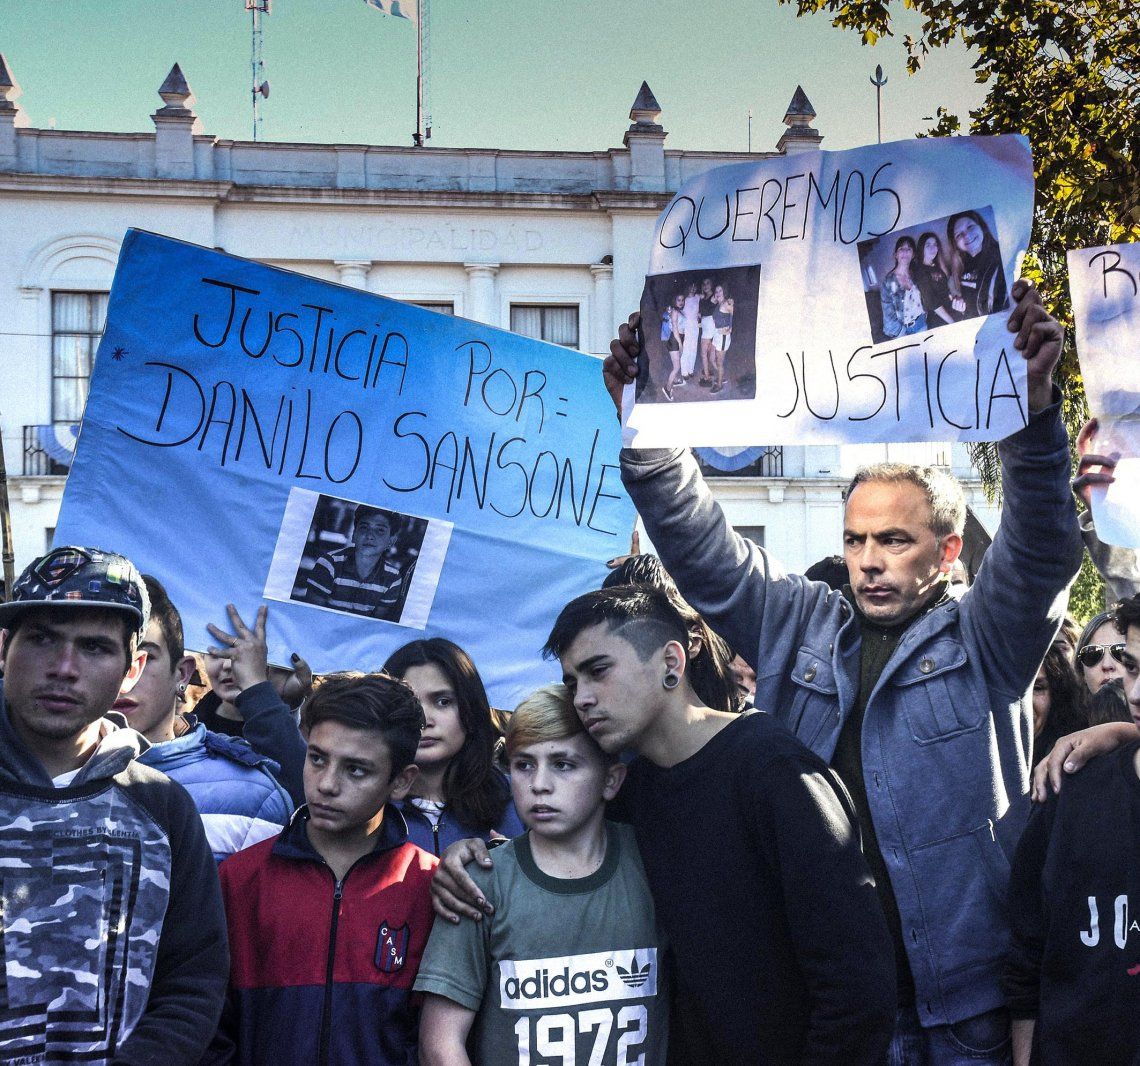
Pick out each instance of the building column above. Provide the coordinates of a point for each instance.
(481, 292)
(603, 316)
(353, 272)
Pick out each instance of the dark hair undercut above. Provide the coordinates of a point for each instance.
(1127, 614)
(710, 667)
(641, 615)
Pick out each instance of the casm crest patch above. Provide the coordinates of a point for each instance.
(392, 947)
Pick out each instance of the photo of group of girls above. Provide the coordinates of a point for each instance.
(690, 322)
(933, 274)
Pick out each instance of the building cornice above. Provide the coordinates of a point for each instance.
(222, 192)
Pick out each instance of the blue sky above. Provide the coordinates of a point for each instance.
(524, 74)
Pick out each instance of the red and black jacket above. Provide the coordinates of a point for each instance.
(322, 971)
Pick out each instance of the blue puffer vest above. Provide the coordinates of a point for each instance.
(232, 786)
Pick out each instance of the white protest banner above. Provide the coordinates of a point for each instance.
(1105, 286)
(371, 471)
(837, 296)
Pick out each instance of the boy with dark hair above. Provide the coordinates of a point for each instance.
(1072, 977)
(328, 921)
(360, 577)
(232, 786)
(750, 845)
(569, 966)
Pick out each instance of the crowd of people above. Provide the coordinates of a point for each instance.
(761, 819)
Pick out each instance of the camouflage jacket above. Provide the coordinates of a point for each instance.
(112, 925)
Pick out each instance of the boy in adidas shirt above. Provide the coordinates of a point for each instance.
(568, 969)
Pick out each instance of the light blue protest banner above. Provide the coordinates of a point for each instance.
(1104, 283)
(835, 297)
(371, 471)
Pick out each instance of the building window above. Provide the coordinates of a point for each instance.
(557, 324)
(438, 308)
(752, 533)
(76, 324)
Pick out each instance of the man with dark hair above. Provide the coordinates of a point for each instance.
(102, 856)
(918, 700)
(361, 578)
(328, 978)
(232, 786)
(1072, 977)
(750, 845)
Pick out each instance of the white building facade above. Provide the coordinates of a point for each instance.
(549, 244)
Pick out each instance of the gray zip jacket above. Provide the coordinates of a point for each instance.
(947, 731)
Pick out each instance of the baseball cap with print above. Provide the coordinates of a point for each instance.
(80, 577)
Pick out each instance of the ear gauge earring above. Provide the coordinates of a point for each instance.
(182, 689)
(670, 681)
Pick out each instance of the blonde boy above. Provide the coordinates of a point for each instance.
(569, 965)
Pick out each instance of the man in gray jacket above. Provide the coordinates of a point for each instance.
(112, 926)
(918, 700)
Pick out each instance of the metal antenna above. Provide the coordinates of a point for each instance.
(878, 81)
(260, 87)
(750, 130)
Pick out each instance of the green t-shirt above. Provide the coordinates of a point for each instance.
(566, 971)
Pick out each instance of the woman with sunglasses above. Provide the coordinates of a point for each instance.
(1101, 655)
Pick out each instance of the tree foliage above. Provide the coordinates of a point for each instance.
(1067, 75)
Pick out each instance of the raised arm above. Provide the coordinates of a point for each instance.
(270, 728)
(1119, 566)
(728, 579)
(1019, 598)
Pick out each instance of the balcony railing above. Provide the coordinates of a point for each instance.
(48, 449)
(741, 462)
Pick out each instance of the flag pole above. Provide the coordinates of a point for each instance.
(418, 140)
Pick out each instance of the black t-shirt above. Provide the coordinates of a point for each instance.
(1074, 960)
(751, 850)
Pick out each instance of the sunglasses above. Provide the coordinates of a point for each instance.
(1091, 654)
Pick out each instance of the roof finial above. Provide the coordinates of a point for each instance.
(799, 136)
(800, 111)
(10, 90)
(177, 96)
(646, 110)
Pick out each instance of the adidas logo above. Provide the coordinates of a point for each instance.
(633, 977)
(577, 980)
